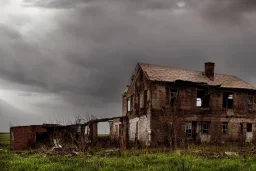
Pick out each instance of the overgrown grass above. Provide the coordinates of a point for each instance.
(152, 160)
(4, 138)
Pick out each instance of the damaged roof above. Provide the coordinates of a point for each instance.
(168, 74)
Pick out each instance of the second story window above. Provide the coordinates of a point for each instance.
(250, 101)
(202, 98)
(198, 102)
(129, 104)
(228, 100)
(141, 100)
(173, 95)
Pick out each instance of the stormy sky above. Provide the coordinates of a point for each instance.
(64, 58)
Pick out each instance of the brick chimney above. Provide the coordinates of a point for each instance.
(209, 70)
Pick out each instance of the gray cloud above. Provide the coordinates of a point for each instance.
(57, 4)
(227, 10)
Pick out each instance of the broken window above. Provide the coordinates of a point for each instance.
(249, 127)
(103, 129)
(250, 101)
(173, 95)
(189, 129)
(224, 127)
(141, 100)
(228, 100)
(206, 126)
(129, 104)
(202, 99)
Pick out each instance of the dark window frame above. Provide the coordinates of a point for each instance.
(206, 127)
(250, 100)
(228, 102)
(142, 103)
(203, 96)
(128, 101)
(173, 95)
(224, 127)
(132, 102)
(249, 127)
(188, 129)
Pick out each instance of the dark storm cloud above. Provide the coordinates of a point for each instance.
(90, 55)
(63, 4)
(227, 10)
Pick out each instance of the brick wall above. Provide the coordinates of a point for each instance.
(24, 137)
(187, 111)
(158, 95)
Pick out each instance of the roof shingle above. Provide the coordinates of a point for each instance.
(167, 74)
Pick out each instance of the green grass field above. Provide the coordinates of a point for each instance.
(4, 139)
(152, 162)
(144, 160)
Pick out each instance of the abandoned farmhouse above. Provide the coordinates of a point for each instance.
(164, 106)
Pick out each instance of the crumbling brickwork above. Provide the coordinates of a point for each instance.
(24, 137)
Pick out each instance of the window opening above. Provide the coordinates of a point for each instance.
(173, 95)
(129, 104)
(250, 101)
(224, 127)
(202, 99)
(228, 100)
(189, 129)
(249, 127)
(206, 126)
